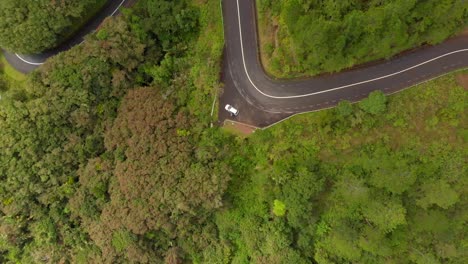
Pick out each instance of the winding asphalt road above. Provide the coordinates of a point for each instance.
(263, 101)
(27, 63)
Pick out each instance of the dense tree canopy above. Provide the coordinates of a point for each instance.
(74, 187)
(156, 183)
(33, 26)
(329, 35)
(51, 128)
(354, 185)
(107, 156)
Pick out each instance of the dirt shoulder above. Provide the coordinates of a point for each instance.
(462, 79)
(238, 128)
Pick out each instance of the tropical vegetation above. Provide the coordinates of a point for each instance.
(308, 37)
(107, 155)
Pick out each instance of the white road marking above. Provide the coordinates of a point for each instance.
(115, 11)
(40, 63)
(28, 62)
(332, 89)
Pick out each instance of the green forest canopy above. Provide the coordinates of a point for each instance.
(354, 185)
(327, 36)
(106, 156)
(34, 26)
(71, 190)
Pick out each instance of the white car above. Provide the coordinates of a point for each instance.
(231, 110)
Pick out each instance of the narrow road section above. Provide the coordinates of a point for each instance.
(27, 63)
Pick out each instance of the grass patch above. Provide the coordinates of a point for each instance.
(10, 79)
(11, 72)
(206, 58)
(267, 30)
(275, 48)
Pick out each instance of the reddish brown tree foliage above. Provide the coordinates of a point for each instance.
(158, 187)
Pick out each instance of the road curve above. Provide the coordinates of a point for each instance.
(27, 63)
(263, 100)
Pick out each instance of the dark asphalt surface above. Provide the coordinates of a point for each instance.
(263, 101)
(108, 10)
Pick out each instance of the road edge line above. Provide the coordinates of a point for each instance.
(392, 93)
